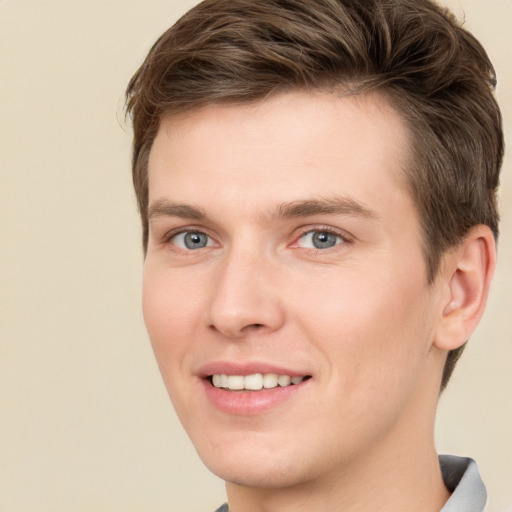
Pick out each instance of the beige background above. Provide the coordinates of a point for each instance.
(85, 423)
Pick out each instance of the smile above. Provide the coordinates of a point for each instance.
(254, 382)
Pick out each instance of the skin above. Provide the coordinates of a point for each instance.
(359, 317)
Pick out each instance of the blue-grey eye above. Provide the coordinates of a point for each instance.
(191, 240)
(320, 240)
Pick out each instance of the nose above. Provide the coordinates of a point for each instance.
(245, 297)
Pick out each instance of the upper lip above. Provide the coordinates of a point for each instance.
(246, 368)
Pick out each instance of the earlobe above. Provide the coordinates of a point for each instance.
(467, 276)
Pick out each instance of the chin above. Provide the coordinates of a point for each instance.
(264, 474)
(259, 463)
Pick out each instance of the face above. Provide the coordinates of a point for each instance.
(285, 289)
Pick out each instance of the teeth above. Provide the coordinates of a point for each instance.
(284, 380)
(270, 380)
(236, 382)
(254, 382)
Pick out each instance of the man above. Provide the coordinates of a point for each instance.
(317, 186)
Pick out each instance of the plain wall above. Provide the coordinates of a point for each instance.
(85, 422)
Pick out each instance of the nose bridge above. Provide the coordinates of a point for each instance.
(245, 297)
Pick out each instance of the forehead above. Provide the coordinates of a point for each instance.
(291, 146)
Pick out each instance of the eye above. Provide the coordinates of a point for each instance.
(318, 239)
(191, 240)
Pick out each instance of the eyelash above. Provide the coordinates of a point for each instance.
(345, 238)
(172, 235)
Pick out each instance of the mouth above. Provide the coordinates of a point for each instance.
(255, 381)
(252, 388)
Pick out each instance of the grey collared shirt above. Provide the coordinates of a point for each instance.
(462, 478)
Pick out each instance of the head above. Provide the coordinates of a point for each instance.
(317, 184)
(433, 72)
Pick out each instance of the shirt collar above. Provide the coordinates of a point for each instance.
(462, 478)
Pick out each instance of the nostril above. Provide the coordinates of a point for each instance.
(253, 327)
(237, 333)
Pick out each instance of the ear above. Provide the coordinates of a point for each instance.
(467, 275)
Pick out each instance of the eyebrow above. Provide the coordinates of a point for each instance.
(293, 209)
(325, 206)
(165, 208)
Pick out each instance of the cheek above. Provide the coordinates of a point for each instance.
(170, 314)
(169, 309)
(367, 325)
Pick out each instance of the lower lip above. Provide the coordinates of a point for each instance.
(250, 403)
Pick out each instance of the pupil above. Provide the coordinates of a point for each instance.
(323, 240)
(195, 240)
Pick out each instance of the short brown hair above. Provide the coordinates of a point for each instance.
(436, 74)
